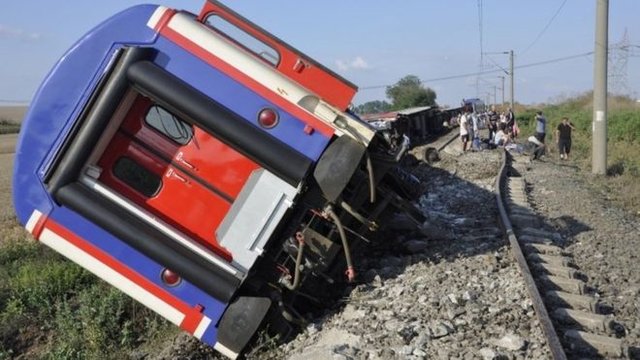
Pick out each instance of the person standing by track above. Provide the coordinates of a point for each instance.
(541, 126)
(492, 117)
(563, 138)
(464, 129)
(511, 122)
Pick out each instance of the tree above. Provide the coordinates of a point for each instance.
(373, 107)
(409, 92)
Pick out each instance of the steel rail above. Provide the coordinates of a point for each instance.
(553, 341)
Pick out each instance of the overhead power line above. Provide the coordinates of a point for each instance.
(544, 29)
(461, 76)
(555, 60)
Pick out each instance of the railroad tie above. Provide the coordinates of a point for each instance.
(554, 236)
(535, 239)
(588, 320)
(573, 301)
(603, 345)
(559, 271)
(544, 249)
(573, 286)
(553, 260)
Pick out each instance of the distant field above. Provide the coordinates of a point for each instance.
(6, 205)
(8, 143)
(13, 113)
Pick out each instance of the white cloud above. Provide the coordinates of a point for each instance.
(19, 34)
(358, 63)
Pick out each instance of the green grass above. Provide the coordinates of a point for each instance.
(54, 309)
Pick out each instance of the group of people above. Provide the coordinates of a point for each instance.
(503, 130)
(505, 122)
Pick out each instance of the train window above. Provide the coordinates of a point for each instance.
(243, 38)
(136, 176)
(169, 125)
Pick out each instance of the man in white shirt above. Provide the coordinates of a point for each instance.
(464, 129)
(500, 138)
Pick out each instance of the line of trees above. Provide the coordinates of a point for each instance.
(407, 92)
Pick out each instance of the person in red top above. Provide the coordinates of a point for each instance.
(563, 138)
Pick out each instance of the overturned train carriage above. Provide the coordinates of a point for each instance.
(205, 168)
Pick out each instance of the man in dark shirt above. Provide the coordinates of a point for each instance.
(492, 116)
(563, 138)
(511, 121)
(541, 126)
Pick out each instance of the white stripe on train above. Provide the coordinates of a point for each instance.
(33, 220)
(157, 15)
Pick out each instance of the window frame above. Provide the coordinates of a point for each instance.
(166, 134)
(237, 42)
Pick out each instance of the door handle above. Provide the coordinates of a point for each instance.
(180, 158)
(173, 174)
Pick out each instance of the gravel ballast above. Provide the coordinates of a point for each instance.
(455, 291)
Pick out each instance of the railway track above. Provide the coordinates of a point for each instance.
(574, 322)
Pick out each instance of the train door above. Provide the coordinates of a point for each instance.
(175, 171)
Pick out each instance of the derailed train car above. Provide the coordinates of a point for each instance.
(205, 168)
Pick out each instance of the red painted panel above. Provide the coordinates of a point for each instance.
(217, 163)
(181, 202)
(329, 86)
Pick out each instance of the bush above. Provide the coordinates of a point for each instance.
(19, 250)
(624, 126)
(38, 285)
(101, 322)
(9, 127)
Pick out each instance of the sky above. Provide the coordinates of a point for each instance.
(375, 43)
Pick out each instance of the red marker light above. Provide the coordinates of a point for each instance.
(170, 278)
(267, 118)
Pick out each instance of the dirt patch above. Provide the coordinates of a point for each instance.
(8, 146)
